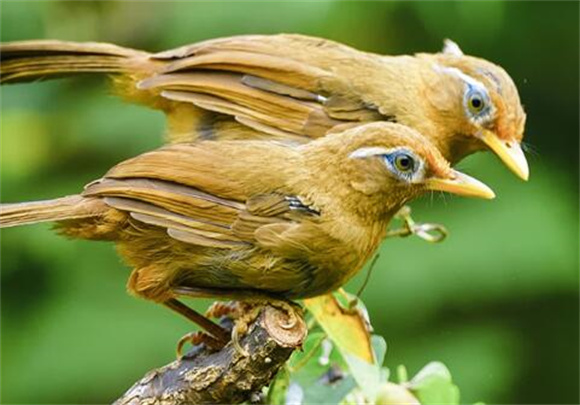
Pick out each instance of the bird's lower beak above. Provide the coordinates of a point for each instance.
(509, 152)
(461, 184)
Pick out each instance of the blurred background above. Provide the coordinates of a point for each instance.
(497, 302)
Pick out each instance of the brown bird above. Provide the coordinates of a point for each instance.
(298, 87)
(251, 219)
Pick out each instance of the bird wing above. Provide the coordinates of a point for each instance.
(261, 234)
(253, 80)
(193, 216)
(194, 203)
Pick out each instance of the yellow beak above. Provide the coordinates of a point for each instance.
(509, 152)
(461, 184)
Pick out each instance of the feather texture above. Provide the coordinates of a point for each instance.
(242, 215)
(290, 87)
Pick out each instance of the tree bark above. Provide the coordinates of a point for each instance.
(227, 376)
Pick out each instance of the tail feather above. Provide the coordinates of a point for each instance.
(25, 61)
(60, 209)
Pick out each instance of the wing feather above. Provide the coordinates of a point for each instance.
(231, 96)
(285, 83)
(192, 216)
(276, 68)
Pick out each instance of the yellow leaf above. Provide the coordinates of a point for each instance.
(347, 328)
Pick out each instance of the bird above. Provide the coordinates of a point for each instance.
(297, 88)
(253, 219)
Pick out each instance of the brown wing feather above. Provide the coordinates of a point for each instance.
(278, 88)
(274, 82)
(231, 96)
(191, 197)
(172, 197)
(240, 113)
(209, 230)
(279, 69)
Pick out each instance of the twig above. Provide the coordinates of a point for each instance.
(226, 376)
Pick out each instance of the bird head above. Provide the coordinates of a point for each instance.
(387, 164)
(486, 99)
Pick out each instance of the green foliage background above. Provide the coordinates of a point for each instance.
(497, 302)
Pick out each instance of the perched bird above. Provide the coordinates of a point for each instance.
(243, 219)
(296, 87)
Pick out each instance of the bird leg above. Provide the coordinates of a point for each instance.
(219, 334)
(149, 282)
(433, 233)
(243, 313)
(248, 296)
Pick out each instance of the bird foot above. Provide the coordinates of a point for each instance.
(195, 339)
(242, 324)
(242, 313)
(247, 312)
(230, 309)
(433, 233)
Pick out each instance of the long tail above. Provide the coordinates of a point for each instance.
(25, 61)
(59, 209)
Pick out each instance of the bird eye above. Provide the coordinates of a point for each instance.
(405, 165)
(475, 102)
(404, 162)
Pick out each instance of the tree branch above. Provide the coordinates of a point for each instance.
(226, 376)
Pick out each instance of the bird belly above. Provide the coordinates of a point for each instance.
(175, 264)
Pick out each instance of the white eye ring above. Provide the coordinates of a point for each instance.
(472, 86)
(480, 112)
(388, 155)
(477, 105)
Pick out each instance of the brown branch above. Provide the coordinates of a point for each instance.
(226, 376)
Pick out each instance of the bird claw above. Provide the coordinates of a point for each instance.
(196, 338)
(291, 309)
(242, 314)
(218, 309)
(247, 313)
(237, 332)
(433, 233)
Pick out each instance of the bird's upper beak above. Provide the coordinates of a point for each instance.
(509, 152)
(461, 184)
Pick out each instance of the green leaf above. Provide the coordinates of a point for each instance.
(379, 346)
(433, 385)
(367, 376)
(321, 393)
(308, 353)
(279, 388)
(348, 330)
(318, 374)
